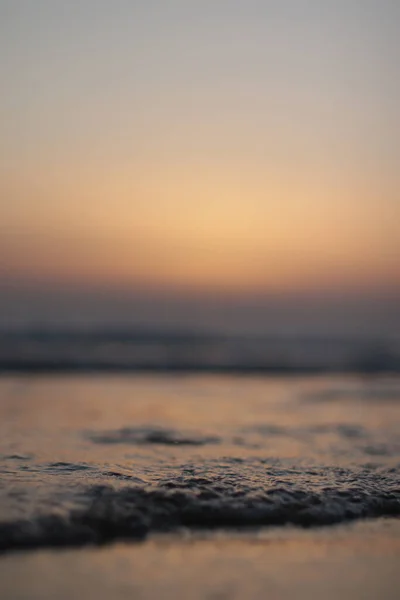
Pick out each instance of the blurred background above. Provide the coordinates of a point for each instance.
(178, 169)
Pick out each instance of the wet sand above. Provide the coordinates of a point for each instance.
(359, 561)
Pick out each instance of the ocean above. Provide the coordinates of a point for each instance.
(181, 466)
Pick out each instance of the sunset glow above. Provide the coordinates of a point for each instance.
(156, 146)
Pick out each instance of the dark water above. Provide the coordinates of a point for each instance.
(124, 350)
(90, 459)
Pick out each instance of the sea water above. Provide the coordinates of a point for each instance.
(206, 485)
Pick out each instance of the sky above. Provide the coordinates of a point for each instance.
(228, 164)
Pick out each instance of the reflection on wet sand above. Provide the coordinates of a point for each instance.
(357, 562)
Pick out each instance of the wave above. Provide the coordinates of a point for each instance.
(150, 435)
(129, 351)
(201, 500)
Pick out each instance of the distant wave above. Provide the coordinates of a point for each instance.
(150, 435)
(205, 500)
(130, 351)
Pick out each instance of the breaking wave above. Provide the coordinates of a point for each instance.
(200, 499)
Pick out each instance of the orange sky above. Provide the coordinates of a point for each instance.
(200, 228)
(237, 148)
